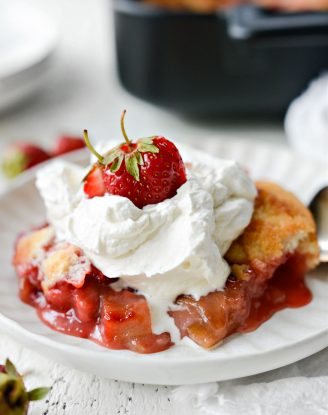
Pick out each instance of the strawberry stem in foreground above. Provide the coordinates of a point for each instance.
(91, 148)
(14, 398)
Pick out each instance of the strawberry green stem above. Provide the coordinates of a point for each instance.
(128, 142)
(91, 148)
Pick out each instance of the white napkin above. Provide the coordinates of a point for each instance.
(306, 122)
(298, 389)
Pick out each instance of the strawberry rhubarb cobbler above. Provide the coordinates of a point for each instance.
(143, 252)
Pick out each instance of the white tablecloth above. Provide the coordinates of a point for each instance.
(298, 389)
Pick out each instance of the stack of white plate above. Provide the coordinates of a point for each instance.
(27, 43)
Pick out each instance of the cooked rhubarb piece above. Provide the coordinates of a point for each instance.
(268, 262)
(126, 324)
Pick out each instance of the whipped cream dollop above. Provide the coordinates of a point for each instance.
(163, 250)
(306, 122)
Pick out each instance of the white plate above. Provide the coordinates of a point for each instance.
(288, 336)
(27, 41)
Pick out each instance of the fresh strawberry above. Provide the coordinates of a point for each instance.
(67, 143)
(94, 183)
(20, 157)
(146, 172)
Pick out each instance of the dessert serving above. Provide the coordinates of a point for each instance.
(152, 247)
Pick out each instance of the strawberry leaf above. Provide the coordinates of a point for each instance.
(139, 158)
(111, 155)
(37, 394)
(116, 163)
(11, 369)
(147, 140)
(3, 379)
(149, 148)
(131, 165)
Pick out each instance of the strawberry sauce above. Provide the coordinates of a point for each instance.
(287, 288)
(121, 320)
(117, 320)
(244, 304)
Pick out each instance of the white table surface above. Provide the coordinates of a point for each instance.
(84, 93)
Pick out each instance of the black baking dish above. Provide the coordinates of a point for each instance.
(245, 60)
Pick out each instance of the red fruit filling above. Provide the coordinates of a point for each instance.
(244, 304)
(90, 308)
(117, 320)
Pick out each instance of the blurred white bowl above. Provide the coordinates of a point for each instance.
(306, 122)
(27, 42)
